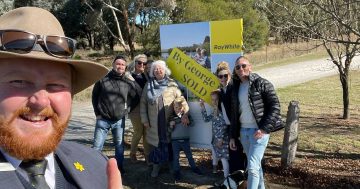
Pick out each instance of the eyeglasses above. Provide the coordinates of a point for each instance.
(24, 42)
(243, 66)
(141, 63)
(223, 76)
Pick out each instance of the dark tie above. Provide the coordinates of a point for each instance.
(36, 171)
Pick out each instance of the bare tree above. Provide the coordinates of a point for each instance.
(333, 22)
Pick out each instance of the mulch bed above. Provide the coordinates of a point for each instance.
(331, 172)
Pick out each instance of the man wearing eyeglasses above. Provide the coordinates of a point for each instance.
(255, 113)
(113, 97)
(38, 79)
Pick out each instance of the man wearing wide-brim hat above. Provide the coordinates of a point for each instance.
(38, 79)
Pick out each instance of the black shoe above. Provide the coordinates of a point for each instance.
(197, 171)
(218, 183)
(177, 175)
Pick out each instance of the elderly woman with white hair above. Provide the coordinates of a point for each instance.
(156, 107)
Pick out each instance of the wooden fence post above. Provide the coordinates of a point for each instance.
(290, 134)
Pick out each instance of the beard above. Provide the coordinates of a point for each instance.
(34, 146)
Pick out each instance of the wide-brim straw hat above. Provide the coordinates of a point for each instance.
(42, 22)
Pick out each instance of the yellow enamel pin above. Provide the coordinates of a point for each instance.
(79, 166)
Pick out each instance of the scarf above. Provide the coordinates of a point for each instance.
(115, 75)
(156, 88)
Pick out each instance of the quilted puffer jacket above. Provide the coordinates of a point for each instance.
(264, 103)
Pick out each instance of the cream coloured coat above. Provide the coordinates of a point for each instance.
(149, 112)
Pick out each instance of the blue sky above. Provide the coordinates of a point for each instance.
(181, 35)
(229, 58)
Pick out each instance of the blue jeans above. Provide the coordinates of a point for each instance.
(177, 146)
(117, 130)
(254, 149)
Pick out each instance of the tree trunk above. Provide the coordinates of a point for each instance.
(290, 135)
(128, 31)
(89, 37)
(132, 47)
(344, 78)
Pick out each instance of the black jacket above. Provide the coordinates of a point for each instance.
(264, 105)
(225, 98)
(114, 96)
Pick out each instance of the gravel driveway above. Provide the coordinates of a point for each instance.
(292, 74)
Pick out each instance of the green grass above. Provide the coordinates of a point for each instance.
(322, 95)
(295, 59)
(321, 128)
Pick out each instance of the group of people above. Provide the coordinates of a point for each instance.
(245, 107)
(38, 79)
(245, 110)
(153, 102)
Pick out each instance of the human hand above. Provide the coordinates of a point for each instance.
(259, 134)
(172, 124)
(202, 105)
(232, 144)
(146, 125)
(113, 175)
(185, 120)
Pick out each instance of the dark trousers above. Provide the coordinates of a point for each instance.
(177, 146)
(237, 158)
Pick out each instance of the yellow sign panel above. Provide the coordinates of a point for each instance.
(226, 36)
(196, 78)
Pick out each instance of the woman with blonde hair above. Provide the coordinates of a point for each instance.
(137, 69)
(237, 158)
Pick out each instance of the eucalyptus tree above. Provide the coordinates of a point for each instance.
(123, 17)
(5, 6)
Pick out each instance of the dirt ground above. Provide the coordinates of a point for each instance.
(319, 169)
(137, 175)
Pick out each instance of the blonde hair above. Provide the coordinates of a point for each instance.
(131, 66)
(181, 101)
(222, 66)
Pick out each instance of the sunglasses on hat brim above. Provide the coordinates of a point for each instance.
(24, 42)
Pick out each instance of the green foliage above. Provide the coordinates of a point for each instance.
(5, 6)
(72, 17)
(95, 54)
(150, 39)
(77, 57)
(255, 24)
